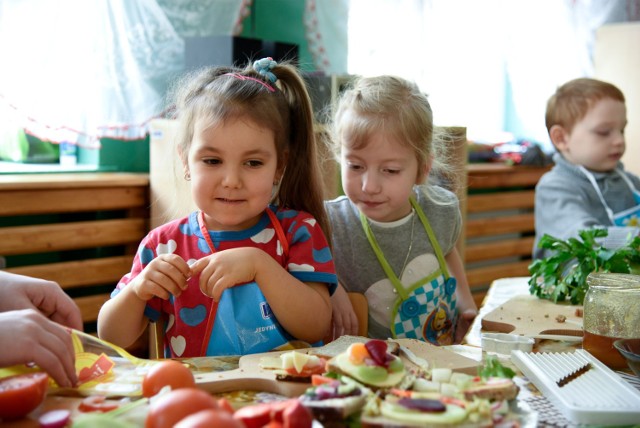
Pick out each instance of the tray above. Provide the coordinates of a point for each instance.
(598, 396)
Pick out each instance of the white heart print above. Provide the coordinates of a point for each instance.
(178, 344)
(167, 248)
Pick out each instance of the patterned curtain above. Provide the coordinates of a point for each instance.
(326, 24)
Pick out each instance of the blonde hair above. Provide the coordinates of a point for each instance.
(394, 106)
(571, 101)
(219, 94)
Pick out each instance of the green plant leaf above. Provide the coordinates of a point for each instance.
(563, 274)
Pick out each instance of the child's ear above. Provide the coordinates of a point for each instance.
(559, 137)
(281, 167)
(423, 171)
(185, 164)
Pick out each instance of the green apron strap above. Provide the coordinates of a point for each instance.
(381, 259)
(432, 237)
(404, 294)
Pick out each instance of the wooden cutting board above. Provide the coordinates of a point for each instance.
(529, 315)
(251, 377)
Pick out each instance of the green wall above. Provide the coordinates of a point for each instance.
(279, 21)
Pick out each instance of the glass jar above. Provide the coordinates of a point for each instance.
(611, 312)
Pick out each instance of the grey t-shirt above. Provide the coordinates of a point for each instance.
(357, 266)
(566, 201)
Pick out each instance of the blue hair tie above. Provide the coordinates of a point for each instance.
(264, 66)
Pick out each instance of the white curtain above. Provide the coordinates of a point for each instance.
(488, 65)
(79, 70)
(326, 25)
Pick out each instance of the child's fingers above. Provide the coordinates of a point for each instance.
(198, 266)
(211, 285)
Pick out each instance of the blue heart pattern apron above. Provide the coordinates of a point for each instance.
(234, 326)
(426, 309)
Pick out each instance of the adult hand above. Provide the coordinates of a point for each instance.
(30, 337)
(23, 292)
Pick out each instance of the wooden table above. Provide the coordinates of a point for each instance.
(501, 291)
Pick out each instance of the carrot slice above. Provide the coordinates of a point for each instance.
(358, 353)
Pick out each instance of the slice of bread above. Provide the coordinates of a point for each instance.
(493, 390)
(334, 410)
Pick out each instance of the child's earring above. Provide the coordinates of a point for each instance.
(187, 176)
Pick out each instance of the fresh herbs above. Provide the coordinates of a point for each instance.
(563, 275)
(493, 368)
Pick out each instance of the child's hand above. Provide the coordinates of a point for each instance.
(165, 275)
(344, 320)
(464, 322)
(224, 269)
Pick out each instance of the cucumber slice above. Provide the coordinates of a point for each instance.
(370, 375)
(454, 414)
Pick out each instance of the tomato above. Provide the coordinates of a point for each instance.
(168, 409)
(297, 416)
(167, 372)
(97, 403)
(306, 371)
(209, 418)
(21, 394)
(225, 405)
(258, 415)
(318, 379)
(289, 413)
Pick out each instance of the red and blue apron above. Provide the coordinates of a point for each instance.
(234, 326)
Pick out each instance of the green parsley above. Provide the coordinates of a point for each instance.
(563, 275)
(493, 368)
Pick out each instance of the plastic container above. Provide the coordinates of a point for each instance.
(611, 312)
(68, 153)
(504, 343)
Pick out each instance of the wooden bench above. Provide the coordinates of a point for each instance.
(499, 226)
(78, 229)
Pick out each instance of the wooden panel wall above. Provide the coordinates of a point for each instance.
(500, 226)
(80, 230)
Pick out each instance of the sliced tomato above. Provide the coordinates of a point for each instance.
(318, 379)
(307, 371)
(297, 416)
(97, 403)
(452, 400)
(21, 394)
(259, 415)
(225, 405)
(401, 392)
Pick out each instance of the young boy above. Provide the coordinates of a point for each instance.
(588, 186)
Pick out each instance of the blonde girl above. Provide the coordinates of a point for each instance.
(394, 232)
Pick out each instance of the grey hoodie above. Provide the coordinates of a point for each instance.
(567, 202)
